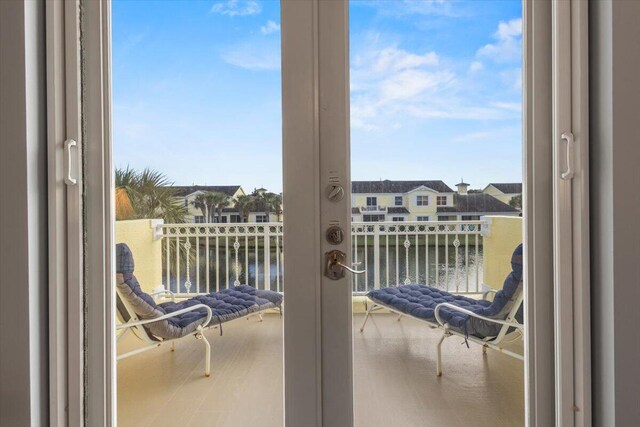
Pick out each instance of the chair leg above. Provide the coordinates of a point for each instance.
(172, 346)
(439, 355)
(207, 351)
(399, 317)
(366, 316)
(484, 350)
(260, 316)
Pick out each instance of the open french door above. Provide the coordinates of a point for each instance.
(318, 332)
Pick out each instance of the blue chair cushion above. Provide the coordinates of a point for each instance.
(225, 305)
(420, 301)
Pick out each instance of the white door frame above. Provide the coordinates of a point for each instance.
(316, 137)
(571, 214)
(65, 223)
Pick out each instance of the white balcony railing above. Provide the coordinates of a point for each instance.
(202, 258)
(373, 208)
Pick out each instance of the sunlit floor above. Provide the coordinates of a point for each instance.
(395, 382)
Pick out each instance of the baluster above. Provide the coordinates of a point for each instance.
(167, 261)
(376, 257)
(456, 244)
(267, 258)
(397, 259)
(477, 263)
(226, 258)
(355, 260)
(436, 263)
(407, 244)
(208, 269)
(446, 258)
(365, 237)
(187, 249)
(236, 246)
(277, 262)
(386, 258)
(178, 263)
(417, 257)
(466, 259)
(246, 256)
(426, 255)
(255, 261)
(197, 262)
(217, 260)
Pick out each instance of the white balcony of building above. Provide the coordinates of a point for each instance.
(163, 387)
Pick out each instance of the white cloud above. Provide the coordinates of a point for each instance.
(411, 7)
(508, 46)
(270, 27)
(393, 59)
(408, 84)
(508, 134)
(476, 66)
(254, 55)
(237, 8)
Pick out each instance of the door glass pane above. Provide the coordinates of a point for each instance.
(197, 146)
(436, 140)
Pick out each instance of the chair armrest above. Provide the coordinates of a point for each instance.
(167, 316)
(164, 292)
(472, 314)
(485, 294)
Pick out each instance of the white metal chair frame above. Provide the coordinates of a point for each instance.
(136, 325)
(488, 342)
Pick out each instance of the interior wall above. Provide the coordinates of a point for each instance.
(615, 209)
(23, 216)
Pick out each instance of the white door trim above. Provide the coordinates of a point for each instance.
(335, 169)
(571, 214)
(580, 200)
(301, 153)
(99, 250)
(65, 224)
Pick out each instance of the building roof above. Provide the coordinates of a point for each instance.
(397, 187)
(481, 203)
(397, 210)
(508, 187)
(183, 191)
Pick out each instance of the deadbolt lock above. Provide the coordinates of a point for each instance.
(334, 235)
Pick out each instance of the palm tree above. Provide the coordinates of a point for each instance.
(277, 205)
(245, 204)
(205, 202)
(219, 201)
(146, 194)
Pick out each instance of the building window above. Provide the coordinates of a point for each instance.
(262, 218)
(372, 201)
(423, 218)
(198, 219)
(422, 200)
(447, 218)
(398, 200)
(470, 218)
(372, 218)
(235, 218)
(441, 200)
(397, 219)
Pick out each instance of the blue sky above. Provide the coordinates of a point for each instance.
(435, 90)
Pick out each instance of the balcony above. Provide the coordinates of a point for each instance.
(393, 360)
(375, 209)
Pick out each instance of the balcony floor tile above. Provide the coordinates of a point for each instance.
(395, 382)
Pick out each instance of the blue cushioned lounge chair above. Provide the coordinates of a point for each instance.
(158, 324)
(480, 321)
